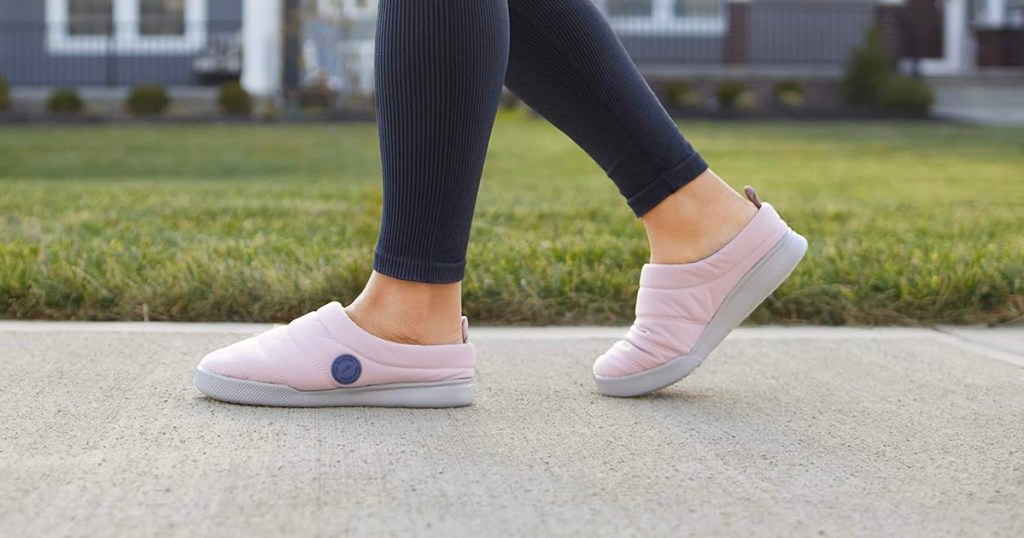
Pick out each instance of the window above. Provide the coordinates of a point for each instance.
(666, 17)
(126, 27)
(90, 17)
(162, 17)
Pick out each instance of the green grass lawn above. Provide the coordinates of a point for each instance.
(909, 223)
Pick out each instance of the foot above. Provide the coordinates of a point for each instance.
(696, 220)
(409, 312)
(325, 359)
(683, 311)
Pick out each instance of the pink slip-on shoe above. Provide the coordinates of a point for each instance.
(325, 359)
(684, 311)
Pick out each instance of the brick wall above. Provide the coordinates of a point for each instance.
(737, 38)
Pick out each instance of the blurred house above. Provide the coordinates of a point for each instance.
(119, 42)
(943, 37)
(734, 37)
(115, 43)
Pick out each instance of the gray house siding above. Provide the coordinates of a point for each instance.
(225, 10)
(674, 50)
(778, 33)
(25, 60)
(804, 32)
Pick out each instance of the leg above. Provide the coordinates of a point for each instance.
(440, 66)
(714, 255)
(439, 71)
(568, 65)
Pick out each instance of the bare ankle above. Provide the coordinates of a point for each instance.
(409, 312)
(696, 221)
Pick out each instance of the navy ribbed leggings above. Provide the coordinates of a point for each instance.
(440, 66)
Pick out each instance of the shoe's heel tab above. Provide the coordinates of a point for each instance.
(465, 330)
(752, 196)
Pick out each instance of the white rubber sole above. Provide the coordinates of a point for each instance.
(453, 393)
(771, 271)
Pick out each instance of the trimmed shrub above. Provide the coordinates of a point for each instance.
(789, 93)
(64, 101)
(679, 94)
(318, 95)
(866, 72)
(233, 100)
(269, 109)
(147, 99)
(5, 95)
(789, 85)
(790, 99)
(908, 95)
(747, 101)
(728, 93)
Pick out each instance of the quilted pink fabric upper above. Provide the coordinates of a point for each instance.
(676, 302)
(300, 355)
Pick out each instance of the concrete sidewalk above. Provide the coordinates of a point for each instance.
(988, 97)
(783, 432)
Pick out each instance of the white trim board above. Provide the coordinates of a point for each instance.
(663, 21)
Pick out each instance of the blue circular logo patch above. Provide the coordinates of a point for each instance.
(346, 369)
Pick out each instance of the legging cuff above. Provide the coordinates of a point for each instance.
(430, 272)
(667, 183)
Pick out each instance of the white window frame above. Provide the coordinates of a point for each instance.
(126, 40)
(664, 21)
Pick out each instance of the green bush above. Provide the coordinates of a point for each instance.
(64, 101)
(747, 101)
(147, 99)
(233, 100)
(866, 72)
(789, 93)
(728, 93)
(790, 98)
(318, 95)
(5, 95)
(269, 109)
(907, 94)
(788, 86)
(679, 94)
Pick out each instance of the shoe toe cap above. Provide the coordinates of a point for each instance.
(229, 361)
(615, 362)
